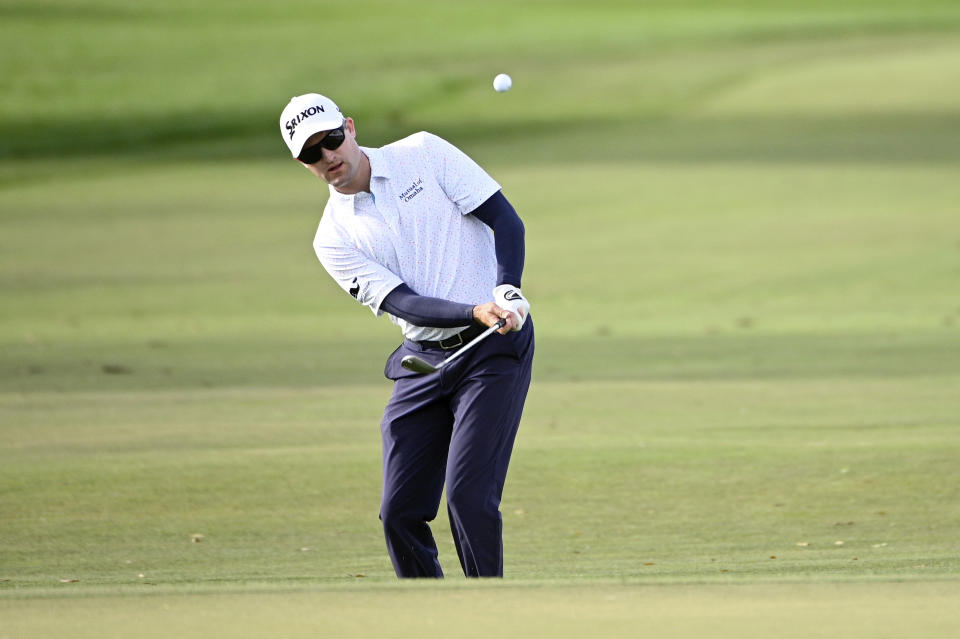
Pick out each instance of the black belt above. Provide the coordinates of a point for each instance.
(455, 341)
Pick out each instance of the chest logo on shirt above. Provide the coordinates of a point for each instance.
(412, 192)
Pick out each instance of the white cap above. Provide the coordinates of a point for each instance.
(305, 115)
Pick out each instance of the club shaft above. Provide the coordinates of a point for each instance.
(476, 340)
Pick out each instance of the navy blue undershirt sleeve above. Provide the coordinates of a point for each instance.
(497, 213)
(426, 311)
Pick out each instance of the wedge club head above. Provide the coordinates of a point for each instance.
(417, 365)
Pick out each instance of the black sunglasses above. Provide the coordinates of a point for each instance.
(332, 140)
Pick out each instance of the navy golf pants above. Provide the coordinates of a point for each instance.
(456, 428)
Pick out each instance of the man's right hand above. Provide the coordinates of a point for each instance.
(489, 314)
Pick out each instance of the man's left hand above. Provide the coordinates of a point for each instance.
(510, 298)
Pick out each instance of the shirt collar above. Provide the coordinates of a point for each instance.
(378, 163)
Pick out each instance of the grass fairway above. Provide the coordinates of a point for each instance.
(792, 611)
(743, 257)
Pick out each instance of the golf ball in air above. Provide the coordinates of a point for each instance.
(502, 83)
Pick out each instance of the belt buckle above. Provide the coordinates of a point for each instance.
(447, 345)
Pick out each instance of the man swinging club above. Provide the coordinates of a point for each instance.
(417, 230)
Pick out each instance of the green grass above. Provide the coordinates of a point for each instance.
(672, 481)
(743, 255)
(524, 610)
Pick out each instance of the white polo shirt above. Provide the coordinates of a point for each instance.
(413, 227)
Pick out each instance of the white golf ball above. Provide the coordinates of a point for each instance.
(502, 83)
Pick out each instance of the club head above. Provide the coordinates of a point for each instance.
(417, 365)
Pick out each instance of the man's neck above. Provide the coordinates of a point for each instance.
(360, 184)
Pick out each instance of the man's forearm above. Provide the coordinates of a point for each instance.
(420, 310)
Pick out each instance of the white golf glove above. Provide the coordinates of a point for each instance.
(511, 299)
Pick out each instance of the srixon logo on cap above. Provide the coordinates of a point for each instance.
(306, 113)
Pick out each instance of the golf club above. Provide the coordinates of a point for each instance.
(418, 365)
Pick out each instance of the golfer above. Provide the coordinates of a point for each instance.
(417, 230)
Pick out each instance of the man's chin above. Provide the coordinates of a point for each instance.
(337, 179)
